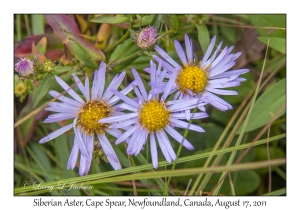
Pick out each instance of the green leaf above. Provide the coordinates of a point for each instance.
(62, 69)
(140, 63)
(204, 140)
(111, 19)
(222, 117)
(276, 192)
(244, 182)
(37, 24)
(171, 21)
(203, 37)
(174, 23)
(275, 43)
(278, 21)
(63, 152)
(267, 105)
(43, 158)
(276, 62)
(230, 33)
(145, 20)
(157, 21)
(127, 48)
(40, 91)
(123, 50)
(261, 154)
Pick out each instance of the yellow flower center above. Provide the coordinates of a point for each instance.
(90, 114)
(20, 88)
(154, 116)
(193, 78)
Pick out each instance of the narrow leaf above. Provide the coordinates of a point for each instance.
(62, 69)
(37, 24)
(275, 43)
(267, 105)
(40, 91)
(203, 37)
(111, 19)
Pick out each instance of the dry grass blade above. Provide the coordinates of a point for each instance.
(187, 188)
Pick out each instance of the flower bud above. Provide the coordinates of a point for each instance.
(20, 88)
(48, 66)
(147, 37)
(24, 67)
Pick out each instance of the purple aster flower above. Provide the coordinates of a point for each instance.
(153, 115)
(147, 37)
(97, 105)
(204, 79)
(24, 67)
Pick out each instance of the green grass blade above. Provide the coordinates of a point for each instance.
(149, 166)
(185, 172)
(276, 192)
(238, 142)
(37, 24)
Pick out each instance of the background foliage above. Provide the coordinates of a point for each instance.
(248, 141)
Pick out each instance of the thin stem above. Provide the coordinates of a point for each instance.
(270, 171)
(133, 181)
(118, 42)
(115, 63)
(187, 188)
(147, 156)
(180, 146)
(231, 185)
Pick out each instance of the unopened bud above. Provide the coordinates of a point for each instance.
(146, 38)
(48, 66)
(20, 88)
(24, 67)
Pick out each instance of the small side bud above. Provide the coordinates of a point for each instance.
(20, 88)
(24, 67)
(48, 66)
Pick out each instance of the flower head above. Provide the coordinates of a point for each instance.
(24, 67)
(153, 116)
(86, 114)
(146, 37)
(204, 79)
